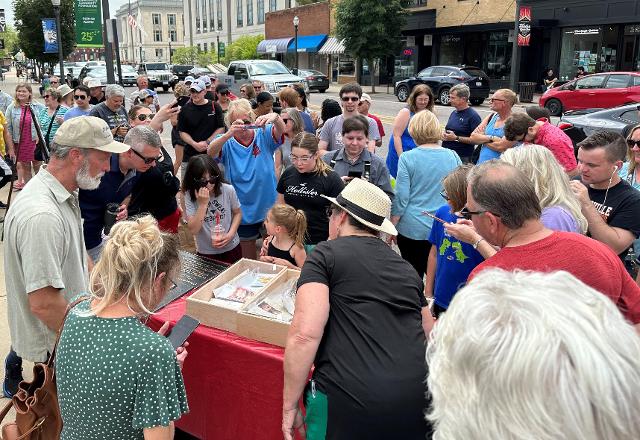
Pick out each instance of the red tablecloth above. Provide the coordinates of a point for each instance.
(234, 384)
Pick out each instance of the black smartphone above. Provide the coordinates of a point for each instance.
(182, 330)
(355, 174)
(182, 100)
(175, 104)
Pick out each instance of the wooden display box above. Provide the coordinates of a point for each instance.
(262, 328)
(224, 314)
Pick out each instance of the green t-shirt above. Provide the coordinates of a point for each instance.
(115, 377)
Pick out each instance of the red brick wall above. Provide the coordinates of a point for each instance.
(314, 19)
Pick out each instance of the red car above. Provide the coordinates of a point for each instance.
(600, 90)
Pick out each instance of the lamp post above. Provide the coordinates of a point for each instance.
(296, 22)
(218, 45)
(56, 11)
(169, 50)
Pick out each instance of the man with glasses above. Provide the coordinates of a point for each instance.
(96, 91)
(81, 95)
(117, 183)
(505, 211)
(112, 111)
(54, 82)
(199, 121)
(258, 86)
(331, 132)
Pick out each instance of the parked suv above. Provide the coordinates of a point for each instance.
(181, 71)
(442, 78)
(272, 73)
(159, 75)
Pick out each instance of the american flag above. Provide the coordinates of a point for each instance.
(131, 21)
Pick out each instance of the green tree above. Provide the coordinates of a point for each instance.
(370, 29)
(206, 58)
(244, 48)
(185, 55)
(28, 17)
(10, 37)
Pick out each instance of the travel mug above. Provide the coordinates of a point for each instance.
(110, 216)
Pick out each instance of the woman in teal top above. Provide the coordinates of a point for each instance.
(116, 378)
(490, 133)
(52, 115)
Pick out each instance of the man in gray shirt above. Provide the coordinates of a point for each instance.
(331, 132)
(45, 262)
(112, 111)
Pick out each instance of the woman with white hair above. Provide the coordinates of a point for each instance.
(526, 355)
(560, 207)
(246, 150)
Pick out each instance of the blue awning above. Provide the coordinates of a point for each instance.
(277, 45)
(308, 43)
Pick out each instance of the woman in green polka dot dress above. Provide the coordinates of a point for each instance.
(116, 378)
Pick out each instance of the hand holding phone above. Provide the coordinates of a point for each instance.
(182, 330)
(428, 214)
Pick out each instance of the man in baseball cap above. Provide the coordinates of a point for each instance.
(97, 91)
(46, 263)
(189, 79)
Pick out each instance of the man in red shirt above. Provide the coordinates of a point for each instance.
(363, 108)
(522, 127)
(504, 209)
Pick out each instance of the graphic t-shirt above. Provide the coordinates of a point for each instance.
(454, 259)
(558, 143)
(303, 191)
(462, 123)
(621, 209)
(113, 119)
(331, 132)
(219, 206)
(199, 122)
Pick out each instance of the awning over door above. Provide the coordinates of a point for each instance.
(333, 46)
(307, 43)
(277, 45)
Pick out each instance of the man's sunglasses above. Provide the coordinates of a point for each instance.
(466, 214)
(144, 117)
(631, 143)
(79, 97)
(350, 98)
(148, 160)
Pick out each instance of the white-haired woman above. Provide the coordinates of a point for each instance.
(116, 378)
(525, 355)
(560, 207)
(247, 155)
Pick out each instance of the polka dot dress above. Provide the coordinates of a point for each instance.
(115, 377)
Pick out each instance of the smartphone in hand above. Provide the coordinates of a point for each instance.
(182, 330)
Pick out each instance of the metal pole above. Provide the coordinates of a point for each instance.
(116, 45)
(63, 76)
(169, 50)
(296, 48)
(108, 47)
(218, 45)
(515, 52)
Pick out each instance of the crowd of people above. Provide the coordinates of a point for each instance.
(513, 280)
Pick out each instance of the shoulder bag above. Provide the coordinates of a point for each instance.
(36, 403)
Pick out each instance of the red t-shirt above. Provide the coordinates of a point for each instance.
(559, 143)
(379, 122)
(590, 261)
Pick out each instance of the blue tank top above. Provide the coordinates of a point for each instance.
(407, 144)
(487, 153)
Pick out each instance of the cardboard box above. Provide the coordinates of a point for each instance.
(262, 328)
(223, 314)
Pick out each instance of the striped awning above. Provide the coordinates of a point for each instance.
(333, 46)
(278, 45)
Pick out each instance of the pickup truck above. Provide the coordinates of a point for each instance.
(159, 75)
(273, 74)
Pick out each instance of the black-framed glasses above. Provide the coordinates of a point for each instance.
(285, 120)
(631, 143)
(79, 97)
(466, 214)
(205, 182)
(148, 160)
(444, 196)
(350, 98)
(144, 117)
(46, 96)
(172, 284)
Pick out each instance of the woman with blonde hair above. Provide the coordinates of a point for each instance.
(304, 184)
(560, 207)
(628, 172)
(421, 98)
(108, 358)
(293, 124)
(247, 156)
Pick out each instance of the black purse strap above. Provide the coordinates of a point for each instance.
(46, 138)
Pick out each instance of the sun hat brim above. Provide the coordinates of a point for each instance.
(387, 227)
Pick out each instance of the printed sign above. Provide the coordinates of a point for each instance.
(88, 23)
(50, 33)
(524, 26)
(3, 21)
(221, 49)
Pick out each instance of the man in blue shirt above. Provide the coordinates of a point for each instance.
(81, 96)
(462, 121)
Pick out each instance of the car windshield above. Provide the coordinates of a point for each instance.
(474, 72)
(268, 69)
(157, 66)
(128, 69)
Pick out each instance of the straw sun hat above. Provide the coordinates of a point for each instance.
(366, 203)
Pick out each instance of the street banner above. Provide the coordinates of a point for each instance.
(88, 23)
(50, 33)
(524, 26)
(3, 21)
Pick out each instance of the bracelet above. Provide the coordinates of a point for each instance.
(475, 245)
(457, 138)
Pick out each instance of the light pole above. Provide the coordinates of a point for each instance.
(169, 50)
(56, 11)
(296, 22)
(218, 45)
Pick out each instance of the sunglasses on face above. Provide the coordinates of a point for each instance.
(497, 99)
(466, 214)
(47, 96)
(205, 182)
(79, 97)
(54, 82)
(350, 98)
(144, 117)
(631, 143)
(148, 160)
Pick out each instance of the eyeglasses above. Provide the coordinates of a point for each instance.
(79, 97)
(300, 159)
(350, 98)
(144, 117)
(444, 196)
(631, 143)
(466, 214)
(148, 160)
(285, 120)
(46, 96)
(246, 122)
(257, 88)
(54, 82)
(496, 99)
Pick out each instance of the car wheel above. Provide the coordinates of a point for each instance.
(402, 93)
(322, 90)
(476, 101)
(554, 106)
(443, 96)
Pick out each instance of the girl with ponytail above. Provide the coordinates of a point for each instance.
(286, 227)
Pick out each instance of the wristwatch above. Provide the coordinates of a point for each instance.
(475, 245)
(457, 138)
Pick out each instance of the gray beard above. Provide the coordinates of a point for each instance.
(84, 179)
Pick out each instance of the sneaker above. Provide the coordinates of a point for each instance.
(12, 377)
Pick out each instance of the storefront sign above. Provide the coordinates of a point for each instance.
(428, 40)
(50, 33)
(88, 23)
(524, 26)
(407, 52)
(3, 22)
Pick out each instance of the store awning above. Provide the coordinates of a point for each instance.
(333, 46)
(277, 45)
(308, 43)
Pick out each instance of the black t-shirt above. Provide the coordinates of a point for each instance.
(303, 191)
(371, 359)
(199, 121)
(155, 191)
(462, 123)
(176, 139)
(621, 209)
(95, 101)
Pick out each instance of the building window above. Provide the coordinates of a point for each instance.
(157, 35)
(249, 12)
(205, 47)
(198, 28)
(158, 53)
(499, 55)
(219, 13)
(260, 11)
(273, 5)
(173, 35)
(199, 47)
(580, 47)
(212, 16)
(155, 18)
(205, 18)
(171, 18)
(451, 50)
(239, 20)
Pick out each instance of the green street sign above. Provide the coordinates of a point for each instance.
(221, 48)
(88, 23)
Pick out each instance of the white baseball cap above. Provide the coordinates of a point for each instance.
(198, 86)
(88, 132)
(94, 83)
(366, 97)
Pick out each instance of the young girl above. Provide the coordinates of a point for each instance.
(286, 227)
(212, 209)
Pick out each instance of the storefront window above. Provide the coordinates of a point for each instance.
(405, 63)
(451, 50)
(580, 47)
(346, 65)
(499, 55)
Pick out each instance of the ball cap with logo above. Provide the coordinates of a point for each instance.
(367, 203)
(88, 132)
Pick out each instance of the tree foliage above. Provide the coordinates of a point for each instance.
(244, 48)
(10, 37)
(28, 17)
(185, 55)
